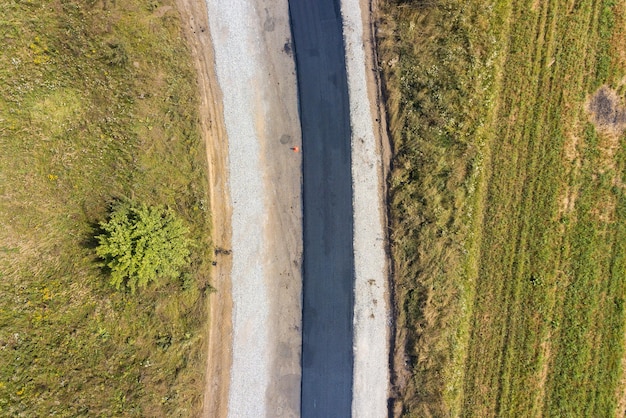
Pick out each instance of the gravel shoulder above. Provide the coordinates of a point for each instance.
(255, 71)
(370, 151)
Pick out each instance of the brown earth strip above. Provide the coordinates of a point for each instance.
(196, 30)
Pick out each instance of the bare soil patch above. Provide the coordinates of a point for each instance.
(607, 113)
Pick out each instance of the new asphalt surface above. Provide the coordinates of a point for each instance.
(328, 266)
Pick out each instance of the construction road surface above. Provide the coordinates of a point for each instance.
(328, 266)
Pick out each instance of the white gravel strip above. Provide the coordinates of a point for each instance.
(371, 370)
(236, 44)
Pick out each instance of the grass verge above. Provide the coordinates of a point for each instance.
(507, 206)
(98, 103)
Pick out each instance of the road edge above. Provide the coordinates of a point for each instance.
(194, 19)
(370, 162)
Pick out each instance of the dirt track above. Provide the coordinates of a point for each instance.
(195, 24)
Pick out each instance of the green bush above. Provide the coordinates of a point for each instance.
(141, 244)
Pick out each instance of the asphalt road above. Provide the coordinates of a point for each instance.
(327, 201)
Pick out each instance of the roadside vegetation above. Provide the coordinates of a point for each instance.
(508, 205)
(97, 105)
(141, 244)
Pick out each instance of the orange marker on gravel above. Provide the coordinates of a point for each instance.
(295, 149)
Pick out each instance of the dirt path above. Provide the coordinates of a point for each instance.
(195, 24)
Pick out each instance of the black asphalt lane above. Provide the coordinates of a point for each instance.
(327, 201)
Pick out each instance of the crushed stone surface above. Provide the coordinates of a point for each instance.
(371, 313)
(256, 75)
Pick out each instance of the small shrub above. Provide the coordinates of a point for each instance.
(141, 244)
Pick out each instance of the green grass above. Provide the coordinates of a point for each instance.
(507, 207)
(97, 102)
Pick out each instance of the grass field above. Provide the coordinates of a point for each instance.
(508, 206)
(97, 103)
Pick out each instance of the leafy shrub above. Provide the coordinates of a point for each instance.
(141, 244)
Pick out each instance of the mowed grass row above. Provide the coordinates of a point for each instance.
(97, 103)
(547, 332)
(519, 312)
